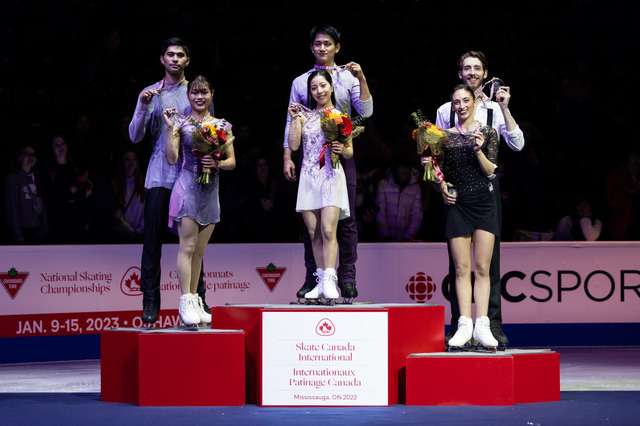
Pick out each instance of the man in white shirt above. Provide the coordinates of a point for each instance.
(351, 91)
(473, 70)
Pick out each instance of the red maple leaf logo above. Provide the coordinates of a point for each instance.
(130, 283)
(325, 327)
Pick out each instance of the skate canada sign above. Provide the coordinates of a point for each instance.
(324, 358)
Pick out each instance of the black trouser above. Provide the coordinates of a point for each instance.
(347, 235)
(156, 225)
(495, 295)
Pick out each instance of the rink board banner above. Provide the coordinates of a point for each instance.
(324, 358)
(542, 282)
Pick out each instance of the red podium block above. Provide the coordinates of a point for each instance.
(412, 328)
(151, 367)
(471, 378)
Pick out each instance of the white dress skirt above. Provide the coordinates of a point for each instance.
(320, 186)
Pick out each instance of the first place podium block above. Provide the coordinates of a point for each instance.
(171, 367)
(473, 378)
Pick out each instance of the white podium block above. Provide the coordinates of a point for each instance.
(324, 357)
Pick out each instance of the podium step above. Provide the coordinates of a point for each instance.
(506, 377)
(172, 367)
(411, 328)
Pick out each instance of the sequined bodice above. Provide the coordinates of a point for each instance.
(189, 161)
(312, 142)
(460, 165)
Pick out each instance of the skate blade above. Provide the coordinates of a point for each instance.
(464, 348)
(188, 327)
(484, 349)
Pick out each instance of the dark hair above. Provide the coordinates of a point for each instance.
(174, 41)
(199, 80)
(311, 103)
(462, 87)
(119, 180)
(17, 152)
(325, 29)
(474, 54)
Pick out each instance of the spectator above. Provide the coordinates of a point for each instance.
(623, 197)
(399, 197)
(25, 213)
(263, 211)
(579, 225)
(66, 192)
(130, 193)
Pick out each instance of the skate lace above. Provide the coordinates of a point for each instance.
(331, 277)
(191, 307)
(484, 332)
(318, 277)
(199, 305)
(463, 326)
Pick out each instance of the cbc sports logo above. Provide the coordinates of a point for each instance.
(420, 287)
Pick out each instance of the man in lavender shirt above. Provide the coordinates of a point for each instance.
(351, 91)
(170, 92)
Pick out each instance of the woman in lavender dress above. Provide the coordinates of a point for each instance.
(194, 208)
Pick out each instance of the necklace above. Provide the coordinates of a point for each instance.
(470, 132)
(193, 120)
(170, 86)
(495, 82)
(324, 109)
(199, 120)
(307, 112)
(162, 88)
(329, 67)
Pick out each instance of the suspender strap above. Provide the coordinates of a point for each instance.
(452, 117)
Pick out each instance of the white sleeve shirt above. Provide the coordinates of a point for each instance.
(514, 139)
(347, 92)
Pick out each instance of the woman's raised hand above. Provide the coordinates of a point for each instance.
(168, 115)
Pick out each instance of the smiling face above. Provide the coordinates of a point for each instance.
(59, 147)
(27, 159)
(321, 91)
(324, 49)
(463, 103)
(472, 73)
(130, 163)
(200, 96)
(175, 60)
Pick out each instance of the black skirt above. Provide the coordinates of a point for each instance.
(472, 210)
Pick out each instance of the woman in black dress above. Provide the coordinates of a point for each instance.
(470, 155)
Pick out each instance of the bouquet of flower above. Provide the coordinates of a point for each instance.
(336, 127)
(429, 139)
(210, 139)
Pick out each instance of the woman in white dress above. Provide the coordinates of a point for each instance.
(322, 191)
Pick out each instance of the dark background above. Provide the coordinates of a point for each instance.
(569, 65)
